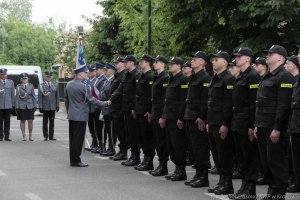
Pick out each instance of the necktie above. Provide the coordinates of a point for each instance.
(25, 86)
(49, 84)
(4, 83)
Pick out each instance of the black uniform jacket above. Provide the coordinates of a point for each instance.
(220, 99)
(159, 86)
(175, 97)
(274, 99)
(196, 101)
(127, 91)
(143, 102)
(243, 99)
(294, 125)
(117, 99)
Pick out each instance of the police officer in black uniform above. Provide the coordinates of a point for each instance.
(172, 117)
(271, 119)
(127, 91)
(195, 116)
(294, 128)
(142, 111)
(219, 119)
(160, 84)
(243, 99)
(115, 109)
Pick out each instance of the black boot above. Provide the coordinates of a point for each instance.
(249, 192)
(122, 155)
(197, 176)
(261, 180)
(240, 191)
(117, 154)
(293, 188)
(226, 187)
(237, 173)
(180, 175)
(161, 170)
(278, 194)
(213, 170)
(146, 165)
(202, 181)
(212, 189)
(168, 176)
(135, 160)
(109, 152)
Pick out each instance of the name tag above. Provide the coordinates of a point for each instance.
(184, 86)
(286, 85)
(253, 86)
(205, 84)
(229, 87)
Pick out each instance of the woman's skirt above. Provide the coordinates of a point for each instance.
(27, 114)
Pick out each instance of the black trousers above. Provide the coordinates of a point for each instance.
(176, 142)
(296, 155)
(76, 138)
(199, 145)
(48, 116)
(118, 128)
(98, 126)
(92, 124)
(108, 134)
(146, 138)
(237, 151)
(249, 164)
(274, 157)
(132, 136)
(5, 121)
(160, 140)
(223, 150)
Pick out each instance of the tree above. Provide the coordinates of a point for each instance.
(29, 44)
(20, 9)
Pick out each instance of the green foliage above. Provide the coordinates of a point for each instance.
(20, 9)
(28, 44)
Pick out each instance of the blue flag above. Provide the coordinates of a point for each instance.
(80, 60)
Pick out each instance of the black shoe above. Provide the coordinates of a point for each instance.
(7, 139)
(81, 164)
(200, 182)
(126, 161)
(226, 187)
(132, 162)
(262, 180)
(248, 193)
(169, 176)
(112, 157)
(212, 189)
(45, 139)
(180, 175)
(109, 152)
(213, 170)
(197, 176)
(52, 139)
(146, 165)
(294, 188)
(161, 170)
(121, 156)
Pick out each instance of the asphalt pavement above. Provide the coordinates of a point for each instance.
(40, 170)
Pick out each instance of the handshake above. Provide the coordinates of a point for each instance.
(108, 103)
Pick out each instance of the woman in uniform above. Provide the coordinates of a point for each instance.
(25, 104)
